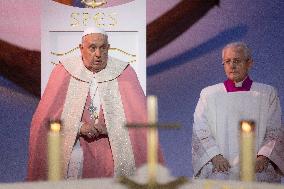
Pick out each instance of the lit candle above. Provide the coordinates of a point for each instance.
(54, 168)
(247, 151)
(152, 138)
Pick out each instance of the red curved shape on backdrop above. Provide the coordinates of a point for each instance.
(167, 27)
(22, 66)
(110, 3)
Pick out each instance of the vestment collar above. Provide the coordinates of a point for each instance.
(244, 85)
(76, 68)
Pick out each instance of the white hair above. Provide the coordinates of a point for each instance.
(239, 46)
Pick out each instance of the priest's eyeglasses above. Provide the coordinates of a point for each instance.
(234, 61)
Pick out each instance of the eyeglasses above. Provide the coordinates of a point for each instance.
(234, 61)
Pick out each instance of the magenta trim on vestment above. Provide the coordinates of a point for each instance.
(230, 85)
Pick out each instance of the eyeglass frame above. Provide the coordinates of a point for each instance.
(235, 61)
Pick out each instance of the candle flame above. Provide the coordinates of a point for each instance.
(55, 127)
(246, 127)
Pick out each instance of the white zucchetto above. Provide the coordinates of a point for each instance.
(91, 30)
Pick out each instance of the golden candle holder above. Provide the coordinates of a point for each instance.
(153, 184)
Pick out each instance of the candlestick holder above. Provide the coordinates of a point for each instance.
(153, 184)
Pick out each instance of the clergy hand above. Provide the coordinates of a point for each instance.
(220, 163)
(101, 128)
(261, 163)
(89, 131)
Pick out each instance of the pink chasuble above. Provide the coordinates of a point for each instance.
(50, 107)
(98, 157)
(98, 161)
(135, 109)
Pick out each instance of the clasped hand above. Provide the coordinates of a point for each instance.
(92, 130)
(261, 163)
(222, 164)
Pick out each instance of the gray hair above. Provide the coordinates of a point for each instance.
(240, 46)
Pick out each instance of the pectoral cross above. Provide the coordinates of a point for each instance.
(152, 149)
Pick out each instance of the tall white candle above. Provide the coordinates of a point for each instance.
(152, 138)
(54, 168)
(247, 151)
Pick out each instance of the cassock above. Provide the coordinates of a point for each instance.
(217, 116)
(67, 97)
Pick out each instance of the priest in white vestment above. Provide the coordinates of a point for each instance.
(221, 107)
